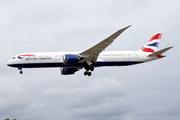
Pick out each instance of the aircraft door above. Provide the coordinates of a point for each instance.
(135, 55)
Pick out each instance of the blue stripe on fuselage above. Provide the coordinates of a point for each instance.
(119, 63)
(97, 64)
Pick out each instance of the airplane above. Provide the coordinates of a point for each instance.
(71, 62)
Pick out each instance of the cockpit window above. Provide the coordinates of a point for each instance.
(13, 57)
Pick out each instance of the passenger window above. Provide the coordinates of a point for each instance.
(13, 57)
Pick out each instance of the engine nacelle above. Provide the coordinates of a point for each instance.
(68, 71)
(70, 59)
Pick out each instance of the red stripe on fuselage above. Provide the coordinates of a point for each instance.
(26, 55)
(157, 36)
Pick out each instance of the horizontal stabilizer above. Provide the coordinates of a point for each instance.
(159, 52)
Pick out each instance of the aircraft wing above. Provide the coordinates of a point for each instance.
(92, 53)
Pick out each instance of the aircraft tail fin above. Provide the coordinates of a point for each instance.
(152, 44)
(159, 53)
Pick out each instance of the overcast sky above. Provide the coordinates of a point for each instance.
(148, 91)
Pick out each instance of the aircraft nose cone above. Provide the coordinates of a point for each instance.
(9, 63)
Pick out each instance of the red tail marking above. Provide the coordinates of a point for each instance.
(157, 36)
(147, 50)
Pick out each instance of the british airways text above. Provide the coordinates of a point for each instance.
(40, 58)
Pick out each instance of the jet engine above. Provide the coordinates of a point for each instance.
(70, 59)
(68, 71)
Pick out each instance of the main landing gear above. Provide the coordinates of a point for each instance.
(87, 70)
(21, 72)
(87, 73)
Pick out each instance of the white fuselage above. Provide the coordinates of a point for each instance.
(55, 59)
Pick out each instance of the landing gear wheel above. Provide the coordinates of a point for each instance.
(91, 68)
(21, 72)
(86, 68)
(86, 73)
(89, 73)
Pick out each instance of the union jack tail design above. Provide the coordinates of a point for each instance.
(152, 44)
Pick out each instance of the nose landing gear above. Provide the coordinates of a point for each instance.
(21, 72)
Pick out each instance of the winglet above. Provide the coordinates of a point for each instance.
(116, 34)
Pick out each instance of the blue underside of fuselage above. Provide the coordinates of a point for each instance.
(97, 64)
